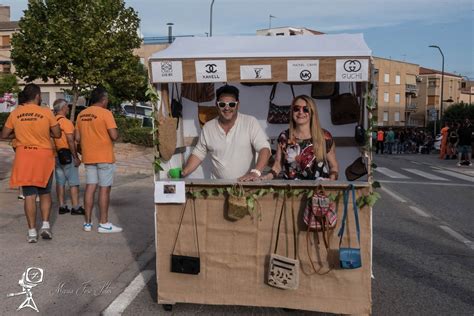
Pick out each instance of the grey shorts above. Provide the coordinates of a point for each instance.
(66, 174)
(32, 190)
(100, 173)
(465, 149)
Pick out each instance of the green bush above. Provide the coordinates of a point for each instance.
(138, 136)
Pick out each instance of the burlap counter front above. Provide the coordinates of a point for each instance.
(234, 258)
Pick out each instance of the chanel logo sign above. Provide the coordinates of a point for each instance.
(352, 66)
(211, 68)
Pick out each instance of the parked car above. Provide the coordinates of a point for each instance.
(139, 111)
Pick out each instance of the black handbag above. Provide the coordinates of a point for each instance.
(186, 264)
(356, 170)
(324, 90)
(359, 132)
(176, 104)
(64, 156)
(349, 258)
(278, 114)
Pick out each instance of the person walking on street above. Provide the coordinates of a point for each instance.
(32, 126)
(390, 140)
(96, 131)
(68, 172)
(380, 140)
(444, 141)
(464, 143)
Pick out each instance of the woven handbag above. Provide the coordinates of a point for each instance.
(166, 132)
(237, 203)
(279, 114)
(283, 272)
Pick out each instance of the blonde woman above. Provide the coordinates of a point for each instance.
(305, 151)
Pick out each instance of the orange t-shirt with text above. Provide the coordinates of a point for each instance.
(96, 144)
(31, 124)
(66, 128)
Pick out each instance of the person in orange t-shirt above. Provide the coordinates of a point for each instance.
(96, 130)
(444, 141)
(33, 167)
(69, 172)
(380, 140)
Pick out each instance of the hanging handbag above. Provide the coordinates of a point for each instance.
(356, 169)
(283, 272)
(359, 132)
(345, 109)
(166, 130)
(349, 258)
(320, 213)
(206, 113)
(64, 156)
(279, 114)
(186, 264)
(198, 92)
(237, 203)
(324, 90)
(176, 104)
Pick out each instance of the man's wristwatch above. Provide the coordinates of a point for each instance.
(256, 171)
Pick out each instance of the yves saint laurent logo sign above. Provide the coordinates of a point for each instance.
(211, 71)
(255, 72)
(303, 70)
(167, 71)
(352, 70)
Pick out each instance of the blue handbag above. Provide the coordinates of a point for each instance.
(349, 258)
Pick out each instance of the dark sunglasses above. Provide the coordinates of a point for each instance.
(298, 108)
(232, 104)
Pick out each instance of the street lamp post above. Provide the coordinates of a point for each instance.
(442, 81)
(210, 20)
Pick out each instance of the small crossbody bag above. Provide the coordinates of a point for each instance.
(350, 258)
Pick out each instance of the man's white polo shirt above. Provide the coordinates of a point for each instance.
(232, 154)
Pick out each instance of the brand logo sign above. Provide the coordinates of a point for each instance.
(29, 279)
(211, 71)
(255, 72)
(167, 71)
(303, 70)
(352, 69)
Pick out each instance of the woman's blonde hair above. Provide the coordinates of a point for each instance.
(317, 134)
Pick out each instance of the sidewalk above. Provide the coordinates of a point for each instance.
(80, 268)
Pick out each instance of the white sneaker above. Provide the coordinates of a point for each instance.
(87, 227)
(108, 228)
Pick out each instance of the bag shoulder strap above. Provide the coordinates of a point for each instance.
(272, 94)
(344, 217)
(181, 222)
(283, 210)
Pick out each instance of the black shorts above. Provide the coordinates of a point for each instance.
(32, 190)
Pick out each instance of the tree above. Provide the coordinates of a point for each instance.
(458, 112)
(80, 43)
(8, 84)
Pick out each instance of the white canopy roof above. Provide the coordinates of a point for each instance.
(266, 46)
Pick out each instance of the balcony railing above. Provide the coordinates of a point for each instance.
(411, 89)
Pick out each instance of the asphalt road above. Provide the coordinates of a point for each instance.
(423, 245)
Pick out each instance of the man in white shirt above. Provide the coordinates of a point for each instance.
(231, 139)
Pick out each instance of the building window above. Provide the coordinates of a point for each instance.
(45, 98)
(386, 97)
(397, 97)
(385, 116)
(432, 82)
(397, 79)
(397, 117)
(6, 41)
(386, 78)
(142, 60)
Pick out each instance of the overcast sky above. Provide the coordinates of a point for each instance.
(398, 29)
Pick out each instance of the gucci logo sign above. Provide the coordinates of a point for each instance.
(352, 65)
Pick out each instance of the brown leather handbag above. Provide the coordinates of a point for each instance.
(345, 109)
(206, 113)
(324, 90)
(198, 92)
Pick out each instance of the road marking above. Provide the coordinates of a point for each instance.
(425, 174)
(392, 194)
(415, 162)
(457, 236)
(390, 173)
(419, 211)
(128, 295)
(456, 175)
(428, 183)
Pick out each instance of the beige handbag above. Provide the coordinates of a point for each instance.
(283, 272)
(166, 133)
(237, 203)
